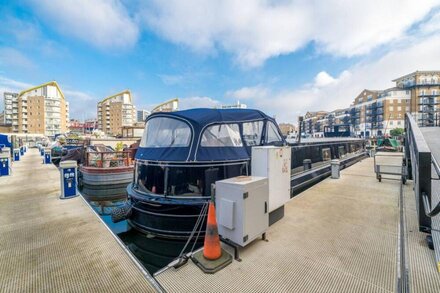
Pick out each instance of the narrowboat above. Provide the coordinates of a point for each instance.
(105, 167)
(181, 154)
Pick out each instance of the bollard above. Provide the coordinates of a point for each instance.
(16, 155)
(335, 169)
(307, 164)
(42, 151)
(21, 151)
(4, 162)
(69, 179)
(47, 156)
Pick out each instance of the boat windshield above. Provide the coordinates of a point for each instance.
(166, 132)
(252, 132)
(272, 135)
(222, 135)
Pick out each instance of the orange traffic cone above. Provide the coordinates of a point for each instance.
(212, 258)
(211, 247)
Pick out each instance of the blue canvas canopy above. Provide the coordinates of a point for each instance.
(203, 135)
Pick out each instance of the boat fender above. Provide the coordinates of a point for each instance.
(121, 213)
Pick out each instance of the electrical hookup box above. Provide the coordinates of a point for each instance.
(16, 155)
(242, 208)
(47, 156)
(4, 162)
(274, 163)
(69, 179)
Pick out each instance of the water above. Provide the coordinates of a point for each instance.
(152, 252)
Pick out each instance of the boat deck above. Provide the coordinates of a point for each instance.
(53, 245)
(337, 236)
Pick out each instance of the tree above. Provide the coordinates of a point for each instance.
(397, 131)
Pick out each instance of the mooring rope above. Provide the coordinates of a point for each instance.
(199, 221)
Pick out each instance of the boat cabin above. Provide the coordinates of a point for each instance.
(182, 153)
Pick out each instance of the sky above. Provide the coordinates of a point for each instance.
(279, 56)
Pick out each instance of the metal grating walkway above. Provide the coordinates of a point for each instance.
(53, 245)
(423, 276)
(338, 236)
(432, 138)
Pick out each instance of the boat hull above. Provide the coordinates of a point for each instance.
(165, 217)
(92, 176)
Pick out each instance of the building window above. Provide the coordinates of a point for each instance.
(399, 108)
(391, 108)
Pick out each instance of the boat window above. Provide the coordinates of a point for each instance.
(272, 134)
(166, 132)
(184, 180)
(222, 135)
(252, 132)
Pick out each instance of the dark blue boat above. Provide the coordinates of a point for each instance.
(181, 154)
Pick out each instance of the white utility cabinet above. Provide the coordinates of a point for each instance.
(242, 208)
(274, 163)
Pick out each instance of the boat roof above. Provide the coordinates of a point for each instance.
(199, 119)
(204, 116)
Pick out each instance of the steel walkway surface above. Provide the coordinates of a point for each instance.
(432, 138)
(338, 236)
(423, 276)
(53, 245)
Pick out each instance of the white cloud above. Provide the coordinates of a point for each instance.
(329, 93)
(104, 24)
(82, 105)
(324, 79)
(254, 31)
(15, 58)
(171, 79)
(197, 102)
(245, 93)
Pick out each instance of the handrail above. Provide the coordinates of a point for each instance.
(428, 212)
(419, 162)
(102, 157)
(436, 165)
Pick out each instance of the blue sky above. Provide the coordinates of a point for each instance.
(283, 57)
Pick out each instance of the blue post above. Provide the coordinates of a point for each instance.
(47, 157)
(4, 162)
(16, 155)
(69, 179)
(21, 151)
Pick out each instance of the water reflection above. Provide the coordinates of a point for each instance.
(153, 252)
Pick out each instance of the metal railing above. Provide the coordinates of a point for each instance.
(419, 162)
(108, 159)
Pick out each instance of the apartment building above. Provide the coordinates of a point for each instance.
(424, 88)
(41, 110)
(168, 106)
(376, 113)
(287, 128)
(312, 123)
(141, 115)
(115, 112)
(237, 105)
